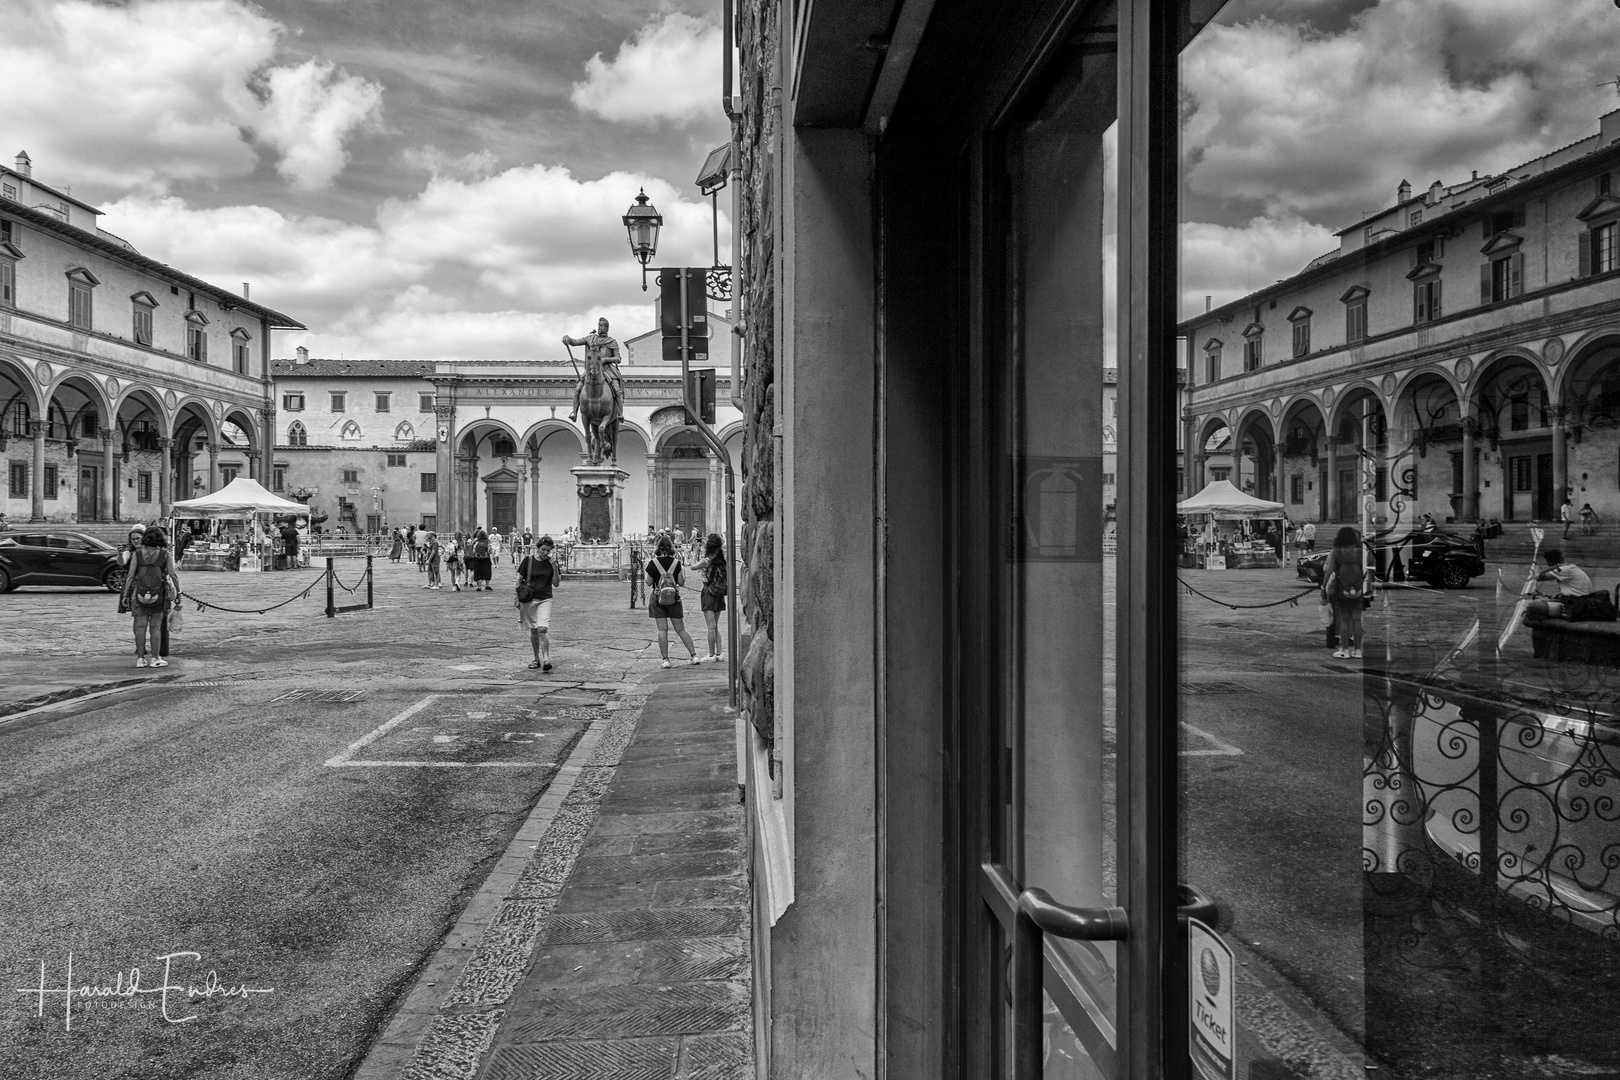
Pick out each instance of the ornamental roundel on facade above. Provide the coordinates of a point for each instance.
(170, 399)
(1276, 406)
(1465, 368)
(43, 372)
(1328, 395)
(1388, 385)
(1553, 351)
(219, 410)
(112, 387)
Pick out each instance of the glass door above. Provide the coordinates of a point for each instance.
(1052, 424)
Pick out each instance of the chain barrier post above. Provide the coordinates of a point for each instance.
(368, 582)
(331, 599)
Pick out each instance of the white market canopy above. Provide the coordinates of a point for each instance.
(238, 498)
(1222, 499)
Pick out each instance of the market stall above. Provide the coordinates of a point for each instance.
(1224, 529)
(241, 536)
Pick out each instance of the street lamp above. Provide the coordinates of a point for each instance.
(642, 222)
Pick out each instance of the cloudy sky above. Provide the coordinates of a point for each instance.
(444, 178)
(1299, 115)
(410, 178)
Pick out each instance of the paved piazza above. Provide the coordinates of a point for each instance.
(333, 811)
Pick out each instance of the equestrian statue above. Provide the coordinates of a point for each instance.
(599, 393)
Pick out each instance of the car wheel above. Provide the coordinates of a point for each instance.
(114, 581)
(1453, 576)
(5, 582)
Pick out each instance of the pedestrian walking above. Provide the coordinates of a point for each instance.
(452, 560)
(127, 549)
(420, 549)
(433, 555)
(664, 578)
(478, 566)
(712, 600)
(150, 585)
(1307, 532)
(398, 547)
(1566, 514)
(537, 578)
(1345, 584)
(1589, 519)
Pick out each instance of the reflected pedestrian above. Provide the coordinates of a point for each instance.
(1566, 514)
(712, 599)
(1571, 580)
(396, 549)
(433, 554)
(1344, 584)
(664, 576)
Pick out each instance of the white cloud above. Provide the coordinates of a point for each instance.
(308, 112)
(430, 159)
(670, 70)
(1225, 261)
(492, 268)
(192, 83)
(1328, 123)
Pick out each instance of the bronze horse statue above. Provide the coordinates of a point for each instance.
(597, 411)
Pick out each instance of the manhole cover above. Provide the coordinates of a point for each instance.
(333, 696)
(1216, 686)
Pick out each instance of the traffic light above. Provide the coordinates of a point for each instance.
(671, 283)
(700, 389)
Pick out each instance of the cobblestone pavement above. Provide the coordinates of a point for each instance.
(313, 803)
(612, 940)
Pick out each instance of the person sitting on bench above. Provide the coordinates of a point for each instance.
(1572, 582)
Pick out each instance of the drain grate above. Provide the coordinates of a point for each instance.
(329, 696)
(1215, 686)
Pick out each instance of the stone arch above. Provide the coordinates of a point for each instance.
(12, 371)
(1588, 424)
(1505, 378)
(1254, 453)
(1423, 371)
(666, 423)
(1353, 392)
(736, 427)
(1577, 371)
(484, 429)
(1507, 356)
(198, 408)
(297, 434)
(627, 424)
(243, 419)
(539, 431)
(87, 386)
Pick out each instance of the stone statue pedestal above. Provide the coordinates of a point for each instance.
(598, 486)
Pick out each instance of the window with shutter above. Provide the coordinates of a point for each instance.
(1604, 254)
(8, 283)
(79, 310)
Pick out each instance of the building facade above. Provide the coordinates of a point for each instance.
(1461, 344)
(125, 384)
(376, 444)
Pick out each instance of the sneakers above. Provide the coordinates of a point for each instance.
(1341, 654)
(695, 661)
(160, 662)
(140, 661)
(664, 664)
(1355, 654)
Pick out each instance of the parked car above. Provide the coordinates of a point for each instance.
(1441, 559)
(57, 558)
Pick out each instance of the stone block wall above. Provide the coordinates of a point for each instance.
(757, 137)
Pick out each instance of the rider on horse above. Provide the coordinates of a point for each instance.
(606, 349)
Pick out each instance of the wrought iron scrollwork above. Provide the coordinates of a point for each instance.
(718, 283)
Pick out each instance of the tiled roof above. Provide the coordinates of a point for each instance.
(330, 368)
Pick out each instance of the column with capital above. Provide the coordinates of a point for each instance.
(534, 488)
(165, 475)
(109, 512)
(256, 470)
(652, 492)
(213, 466)
(1560, 455)
(1332, 479)
(266, 445)
(444, 480)
(1469, 511)
(36, 429)
(717, 500)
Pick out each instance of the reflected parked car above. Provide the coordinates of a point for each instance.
(1444, 560)
(58, 558)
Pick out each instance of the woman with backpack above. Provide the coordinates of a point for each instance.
(149, 587)
(1344, 585)
(478, 564)
(434, 552)
(712, 599)
(452, 560)
(664, 576)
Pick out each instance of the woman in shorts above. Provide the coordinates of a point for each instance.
(666, 568)
(534, 615)
(712, 599)
(150, 584)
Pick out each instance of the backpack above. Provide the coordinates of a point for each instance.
(481, 549)
(666, 593)
(151, 584)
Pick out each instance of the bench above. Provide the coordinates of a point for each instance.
(1582, 642)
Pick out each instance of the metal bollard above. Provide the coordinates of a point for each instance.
(368, 581)
(331, 599)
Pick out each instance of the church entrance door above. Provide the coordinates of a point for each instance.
(689, 505)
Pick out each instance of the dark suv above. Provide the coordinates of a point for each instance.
(1441, 559)
(58, 558)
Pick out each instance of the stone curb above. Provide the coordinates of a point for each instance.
(449, 1017)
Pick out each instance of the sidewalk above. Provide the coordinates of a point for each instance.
(612, 939)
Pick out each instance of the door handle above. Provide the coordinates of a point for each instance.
(1036, 916)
